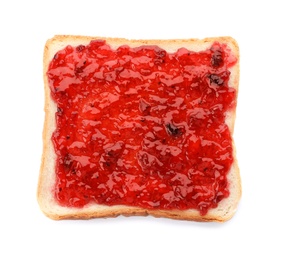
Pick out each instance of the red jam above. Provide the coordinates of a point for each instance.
(142, 127)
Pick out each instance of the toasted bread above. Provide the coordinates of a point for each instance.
(47, 178)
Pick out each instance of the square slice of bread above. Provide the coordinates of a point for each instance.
(47, 178)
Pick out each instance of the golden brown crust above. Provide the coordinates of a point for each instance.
(223, 212)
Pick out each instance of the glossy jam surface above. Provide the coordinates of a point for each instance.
(142, 127)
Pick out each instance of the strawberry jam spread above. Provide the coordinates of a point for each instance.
(142, 127)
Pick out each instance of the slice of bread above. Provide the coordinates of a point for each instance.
(47, 178)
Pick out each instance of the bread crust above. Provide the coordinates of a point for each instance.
(48, 204)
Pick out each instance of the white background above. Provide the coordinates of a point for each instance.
(262, 225)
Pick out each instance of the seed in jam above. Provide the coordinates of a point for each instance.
(174, 130)
(216, 79)
(141, 126)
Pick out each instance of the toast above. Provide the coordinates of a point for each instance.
(219, 209)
